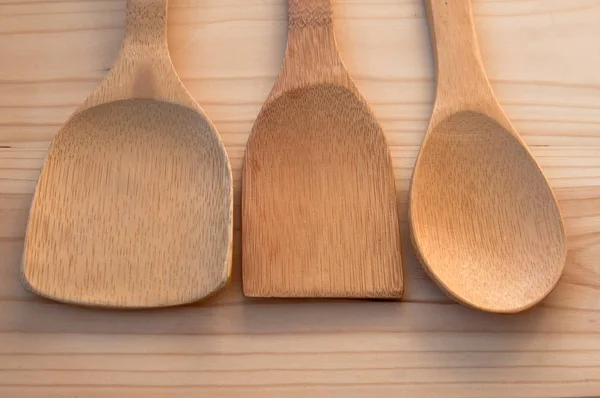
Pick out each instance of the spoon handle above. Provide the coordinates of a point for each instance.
(462, 83)
(143, 67)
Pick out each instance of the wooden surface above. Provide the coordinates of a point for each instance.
(483, 219)
(134, 204)
(319, 209)
(542, 58)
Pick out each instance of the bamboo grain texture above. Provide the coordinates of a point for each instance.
(319, 212)
(484, 221)
(134, 205)
(542, 61)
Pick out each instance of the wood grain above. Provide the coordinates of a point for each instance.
(228, 54)
(484, 221)
(134, 204)
(319, 206)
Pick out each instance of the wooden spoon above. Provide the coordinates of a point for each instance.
(484, 220)
(133, 207)
(319, 214)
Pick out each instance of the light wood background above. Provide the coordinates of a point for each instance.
(543, 59)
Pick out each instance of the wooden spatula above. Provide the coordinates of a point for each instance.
(484, 220)
(133, 207)
(319, 214)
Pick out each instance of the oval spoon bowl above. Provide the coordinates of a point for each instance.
(484, 221)
(483, 216)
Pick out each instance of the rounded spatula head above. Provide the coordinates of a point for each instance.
(132, 209)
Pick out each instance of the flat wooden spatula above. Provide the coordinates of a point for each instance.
(133, 208)
(319, 213)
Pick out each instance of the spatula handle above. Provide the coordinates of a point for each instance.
(143, 68)
(311, 56)
(146, 24)
(307, 13)
(461, 78)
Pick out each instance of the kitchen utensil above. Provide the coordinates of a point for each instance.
(319, 213)
(484, 220)
(133, 207)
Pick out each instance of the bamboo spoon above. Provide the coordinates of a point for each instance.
(484, 220)
(319, 212)
(133, 207)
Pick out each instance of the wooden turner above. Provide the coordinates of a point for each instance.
(133, 207)
(319, 213)
(484, 220)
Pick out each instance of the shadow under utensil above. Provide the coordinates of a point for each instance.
(230, 313)
(40, 315)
